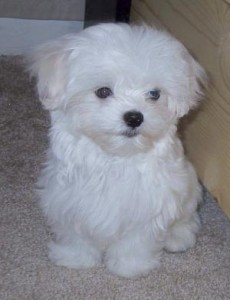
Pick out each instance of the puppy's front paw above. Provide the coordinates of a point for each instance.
(131, 266)
(73, 257)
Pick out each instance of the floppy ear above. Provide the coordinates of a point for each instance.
(197, 83)
(189, 86)
(199, 77)
(48, 64)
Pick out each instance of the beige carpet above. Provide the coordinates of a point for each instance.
(25, 271)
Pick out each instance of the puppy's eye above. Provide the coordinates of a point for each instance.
(154, 94)
(103, 92)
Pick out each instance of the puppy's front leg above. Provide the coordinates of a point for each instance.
(77, 253)
(133, 255)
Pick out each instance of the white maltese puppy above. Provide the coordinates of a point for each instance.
(116, 185)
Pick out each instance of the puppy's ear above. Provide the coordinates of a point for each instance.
(190, 87)
(48, 64)
(199, 78)
(197, 81)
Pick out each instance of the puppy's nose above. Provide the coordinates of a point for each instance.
(133, 118)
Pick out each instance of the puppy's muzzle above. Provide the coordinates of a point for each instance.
(133, 119)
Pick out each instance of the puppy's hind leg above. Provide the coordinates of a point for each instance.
(182, 234)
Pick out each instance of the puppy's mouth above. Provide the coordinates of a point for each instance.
(130, 133)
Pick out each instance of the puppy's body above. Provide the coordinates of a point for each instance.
(108, 186)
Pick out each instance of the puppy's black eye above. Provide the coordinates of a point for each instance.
(103, 92)
(154, 94)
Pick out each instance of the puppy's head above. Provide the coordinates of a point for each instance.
(122, 86)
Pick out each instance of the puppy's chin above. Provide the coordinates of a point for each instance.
(130, 133)
(128, 143)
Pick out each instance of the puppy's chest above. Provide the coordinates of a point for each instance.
(121, 194)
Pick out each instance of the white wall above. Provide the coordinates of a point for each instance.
(18, 36)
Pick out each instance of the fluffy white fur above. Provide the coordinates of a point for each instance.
(107, 194)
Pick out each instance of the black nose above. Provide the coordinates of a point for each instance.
(133, 118)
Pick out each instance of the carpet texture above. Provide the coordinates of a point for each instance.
(25, 271)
